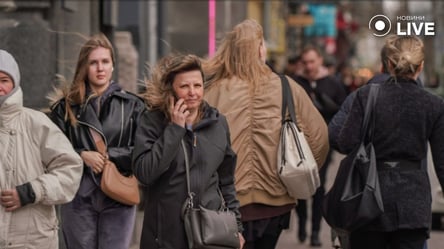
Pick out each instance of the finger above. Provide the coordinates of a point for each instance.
(11, 208)
(179, 104)
(183, 108)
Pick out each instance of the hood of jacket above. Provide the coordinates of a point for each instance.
(11, 106)
(9, 66)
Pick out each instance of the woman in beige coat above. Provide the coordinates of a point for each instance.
(38, 168)
(248, 93)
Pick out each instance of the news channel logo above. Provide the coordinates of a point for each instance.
(380, 25)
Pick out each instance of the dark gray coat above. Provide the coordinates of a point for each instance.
(158, 162)
(407, 117)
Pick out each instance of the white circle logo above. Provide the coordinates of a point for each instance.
(380, 25)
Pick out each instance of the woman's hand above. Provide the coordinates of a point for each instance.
(10, 200)
(178, 111)
(94, 160)
(241, 241)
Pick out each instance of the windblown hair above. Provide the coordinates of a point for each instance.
(75, 93)
(159, 84)
(238, 55)
(405, 55)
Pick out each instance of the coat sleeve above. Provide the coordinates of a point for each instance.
(226, 178)
(437, 144)
(155, 147)
(338, 120)
(348, 136)
(63, 167)
(57, 115)
(310, 121)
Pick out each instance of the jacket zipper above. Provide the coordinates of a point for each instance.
(121, 123)
(130, 139)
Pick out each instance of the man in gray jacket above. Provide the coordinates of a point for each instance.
(38, 168)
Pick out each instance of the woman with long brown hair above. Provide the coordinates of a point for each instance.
(177, 112)
(94, 109)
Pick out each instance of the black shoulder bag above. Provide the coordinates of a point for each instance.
(205, 228)
(355, 197)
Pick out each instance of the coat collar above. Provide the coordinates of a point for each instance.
(11, 107)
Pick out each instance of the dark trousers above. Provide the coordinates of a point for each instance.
(97, 222)
(264, 233)
(400, 239)
(316, 214)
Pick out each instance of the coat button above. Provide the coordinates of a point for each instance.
(12, 132)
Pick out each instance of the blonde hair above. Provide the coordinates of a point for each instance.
(159, 84)
(238, 55)
(405, 54)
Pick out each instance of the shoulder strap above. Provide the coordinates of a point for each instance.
(369, 113)
(187, 166)
(191, 194)
(98, 140)
(287, 100)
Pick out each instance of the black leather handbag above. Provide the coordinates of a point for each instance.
(355, 197)
(205, 228)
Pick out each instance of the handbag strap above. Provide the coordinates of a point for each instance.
(187, 168)
(369, 115)
(187, 171)
(287, 100)
(98, 140)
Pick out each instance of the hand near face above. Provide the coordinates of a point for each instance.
(10, 200)
(178, 111)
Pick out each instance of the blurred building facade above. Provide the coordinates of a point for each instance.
(45, 35)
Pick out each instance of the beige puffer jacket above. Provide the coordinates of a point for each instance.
(34, 150)
(255, 123)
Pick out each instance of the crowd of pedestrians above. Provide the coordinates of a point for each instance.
(223, 115)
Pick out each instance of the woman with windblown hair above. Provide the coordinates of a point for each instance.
(177, 112)
(95, 108)
(245, 89)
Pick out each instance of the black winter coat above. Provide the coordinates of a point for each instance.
(119, 115)
(159, 163)
(407, 117)
(327, 94)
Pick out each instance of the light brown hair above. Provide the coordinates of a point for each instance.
(159, 84)
(77, 91)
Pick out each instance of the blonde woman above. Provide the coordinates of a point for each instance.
(407, 117)
(246, 90)
(95, 107)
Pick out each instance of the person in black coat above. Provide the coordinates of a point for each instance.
(406, 118)
(178, 112)
(96, 106)
(327, 94)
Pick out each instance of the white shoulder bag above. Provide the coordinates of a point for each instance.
(297, 167)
